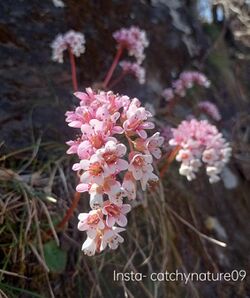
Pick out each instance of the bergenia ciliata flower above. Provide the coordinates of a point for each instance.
(210, 109)
(134, 69)
(75, 41)
(186, 80)
(200, 143)
(114, 152)
(134, 40)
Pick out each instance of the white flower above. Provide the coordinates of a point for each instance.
(187, 171)
(96, 196)
(73, 40)
(89, 246)
(112, 238)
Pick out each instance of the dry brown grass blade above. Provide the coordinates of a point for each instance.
(33, 156)
(39, 258)
(30, 215)
(131, 265)
(23, 150)
(12, 273)
(49, 286)
(51, 180)
(190, 282)
(4, 205)
(169, 160)
(220, 243)
(46, 211)
(3, 295)
(63, 179)
(202, 240)
(99, 291)
(127, 293)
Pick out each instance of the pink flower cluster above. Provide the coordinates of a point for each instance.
(109, 169)
(134, 40)
(210, 109)
(199, 141)
(135, 69)
(71, 39)
(186, 81)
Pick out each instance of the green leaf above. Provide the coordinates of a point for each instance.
(55, 257)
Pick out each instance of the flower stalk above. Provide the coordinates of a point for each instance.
(70, 211)
(73, 70)
(113, 66)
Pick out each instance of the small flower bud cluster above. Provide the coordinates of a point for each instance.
(71, 39)
(199, 141)
(135, 69)
(210, 109)
(134, 40)
(186, 81)
(108, 167)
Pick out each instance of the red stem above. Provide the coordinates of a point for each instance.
(129, 142)
(170, 158)
(73, 70)
(70, 211)
(113, 66)
(118, 79)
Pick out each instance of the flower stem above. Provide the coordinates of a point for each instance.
(70, 211)
(170, 158)
(73, 70)
(113, 66)
(118, 79)
(129, 142)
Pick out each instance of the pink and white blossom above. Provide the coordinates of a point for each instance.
(140, 164)
(91, 222)
(58, 47)
(153, 144)
(135, 69)
(199, 141)
(108, 167)
(96, 196)
(186, 80)
(129, 186)
(108, 237)
(112, 238)
(141, 168)
(75, 41)
(111, 155)
(134, 40)
(136, 120)
(116, 214)
(73, 146)
(189, 78)
(150, 145)
(113, 189)
(210, 109)
(93, 170)
(89, 246)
